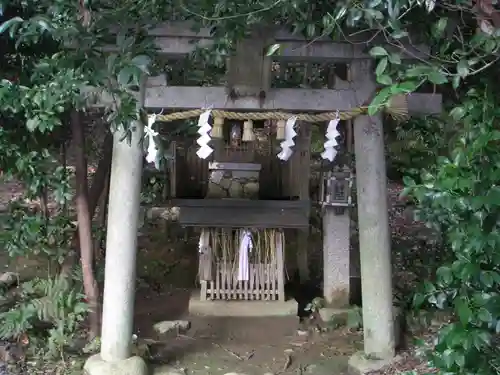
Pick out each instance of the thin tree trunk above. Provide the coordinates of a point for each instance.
(102, 173)
(85, 223)
(98, 185)
(101, 220)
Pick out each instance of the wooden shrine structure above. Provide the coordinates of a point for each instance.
(220, 215)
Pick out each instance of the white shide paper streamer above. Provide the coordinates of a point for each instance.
(245, 249)
(204, 242)
(204, 129)
(288, 143)
(150, 133)
(331, 140)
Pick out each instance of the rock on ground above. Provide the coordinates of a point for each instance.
(171, 326)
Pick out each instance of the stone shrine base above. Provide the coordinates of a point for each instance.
(95, 365)
(359, 364)
(240, 308)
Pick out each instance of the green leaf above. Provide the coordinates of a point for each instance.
(405, 87)
(395, 58)
(142, 62)
(440, 26)
(32, 123)
(463, 310)
(444, 275)
(418, 300)
(417, 71)
(273, 49)
(311, 30)
(429, 287)
(463, 68)
(384, 80)
(125, 76)
(373, 14)
(448, 358)
(381, 66)
(43, 24)
(456, 82)
(398, 34)
(437, 77)
(7, 24)
(457, 113)
(111, 61)
(459, 359)
(379, 101)
(341, 13)
(484, 315)
(378, 51)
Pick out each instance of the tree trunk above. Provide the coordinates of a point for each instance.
(98, 185)
(101, 220)
(101, 176)
(85, 223)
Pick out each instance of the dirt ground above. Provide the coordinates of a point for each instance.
(215, 345)
(167, 274)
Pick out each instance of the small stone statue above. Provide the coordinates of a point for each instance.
(235, 136)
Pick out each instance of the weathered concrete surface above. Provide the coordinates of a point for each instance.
(121, 246)
(171, 326)
(337, 260)
(340, 317)
(241, 308)
(337, 316)
(190, 97)
(294, 100)
(360, 364)
(374, 235)
(168, 370)
(95, 365)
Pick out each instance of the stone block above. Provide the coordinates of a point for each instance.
(171, 327)
(341, 271)
(233, 180)
(333, 315)
(360, 364)
(168, 370)
(95, 365)
(340, 316)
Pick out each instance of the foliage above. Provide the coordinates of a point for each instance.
(460, 195)
(416, 144)
(152, 189)
(78, 69)
(45, 305)
(457, 194)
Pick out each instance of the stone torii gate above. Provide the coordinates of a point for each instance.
(175, 41)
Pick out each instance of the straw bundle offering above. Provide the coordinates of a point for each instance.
(226, 244)
(265, 259)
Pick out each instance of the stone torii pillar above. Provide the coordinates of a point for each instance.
(374, 233)
(121, 248)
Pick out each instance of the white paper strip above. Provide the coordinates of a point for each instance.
(288, 143)
(204, 130)
(245, 249)
(203, 140)
(150, 133)
(204, 152)
(204, 242)
(331, 135)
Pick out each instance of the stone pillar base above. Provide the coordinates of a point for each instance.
(95, 365)
(360, 364)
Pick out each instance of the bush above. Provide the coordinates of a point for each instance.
(460, 195)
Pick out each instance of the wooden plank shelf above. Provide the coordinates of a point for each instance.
(243, 213)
